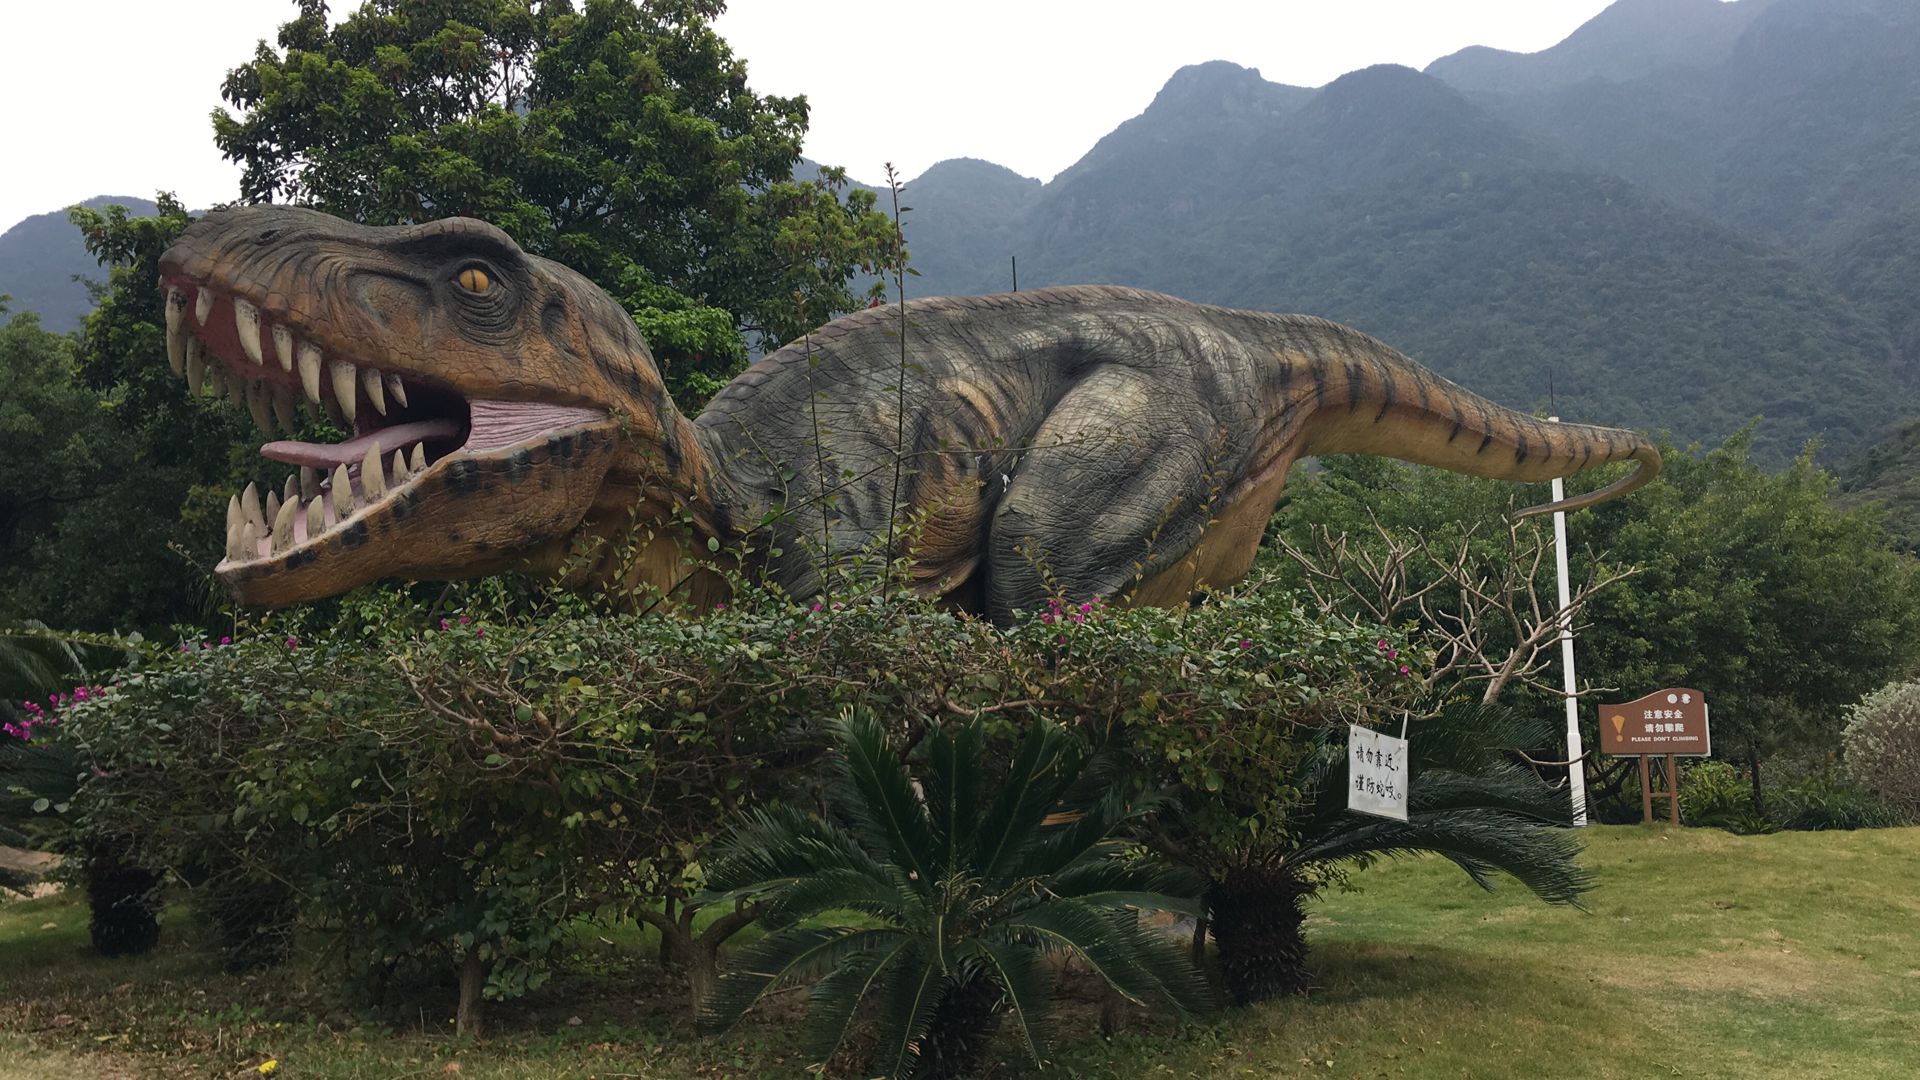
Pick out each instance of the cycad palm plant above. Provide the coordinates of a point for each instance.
(1470, 800)
(943, 903)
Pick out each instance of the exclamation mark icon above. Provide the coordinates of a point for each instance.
(1619, 724)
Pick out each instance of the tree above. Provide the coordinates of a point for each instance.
(1469, 801)
(621, 139)
(1751, 585)
(962, 895)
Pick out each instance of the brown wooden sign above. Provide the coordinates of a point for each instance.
(1670, 721)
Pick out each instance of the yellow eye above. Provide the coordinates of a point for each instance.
(474, 280)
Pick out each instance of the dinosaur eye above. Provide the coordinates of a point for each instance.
(474, 280)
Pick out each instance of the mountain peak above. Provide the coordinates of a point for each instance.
(1222, 87)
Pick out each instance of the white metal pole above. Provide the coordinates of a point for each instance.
(1576, 765)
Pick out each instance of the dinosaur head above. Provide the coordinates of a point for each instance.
(487, 392)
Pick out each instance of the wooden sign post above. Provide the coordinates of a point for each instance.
(1670, 723)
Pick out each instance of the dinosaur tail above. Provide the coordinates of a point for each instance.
(1372, 399)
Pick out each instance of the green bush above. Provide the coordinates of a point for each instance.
(1881, 746)
(454, 788)
(1715, 795)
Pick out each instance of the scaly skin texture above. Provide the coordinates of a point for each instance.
(1086, 441)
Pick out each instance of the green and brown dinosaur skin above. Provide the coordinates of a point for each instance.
(1087, 441)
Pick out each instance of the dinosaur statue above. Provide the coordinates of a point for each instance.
(1088, 441)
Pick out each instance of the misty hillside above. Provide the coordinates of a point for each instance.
(1393, 202)
(40, 256)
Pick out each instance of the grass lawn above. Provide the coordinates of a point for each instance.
(1701, 955)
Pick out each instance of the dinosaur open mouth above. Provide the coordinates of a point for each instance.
(408, 428)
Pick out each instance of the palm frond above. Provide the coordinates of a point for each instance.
(793, 953)
(952, 784)
(1150, 885)
(833, 1000)
(772, 846)
(913, 995)
(1043, 767)
(1028, 986)
(877, 794)
(1541, 857)
(1141, 968)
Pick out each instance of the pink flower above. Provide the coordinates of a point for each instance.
(479, 633)
(183, 646)
(1393, 654)
(1062, 640)
(1047, 617)
(1086, 607)
(444, 624)
(818, 606)
(464, 620)
(1079, 616)
(1405, 670)
(1246, 643)
(226, 641)
(293, 643)
(1381, 644)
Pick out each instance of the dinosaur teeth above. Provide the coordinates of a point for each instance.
(372, 483)
(376, 389)
(258, 397)
(399, 467)
(250, 504)
(273, 506)
(418, 460)
(234, 515)
(283, 527)
(202, 306)
(283, 404)
(342, 493)
(234, 550)
(341, 373)
(290, 491)
(309, 482)
(246, 320)
(310, 372)
(196, 366)
(177, 332)
(316, 518)
(397, 390)
(283, 347)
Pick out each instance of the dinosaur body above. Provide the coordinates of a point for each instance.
(1091, 441)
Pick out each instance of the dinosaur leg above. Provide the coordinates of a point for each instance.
(1118, 486)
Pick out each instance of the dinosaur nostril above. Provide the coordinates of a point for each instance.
(267, 236)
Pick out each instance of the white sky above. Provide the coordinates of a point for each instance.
(112, 96)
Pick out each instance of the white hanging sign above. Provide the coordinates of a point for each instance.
(1377, 773)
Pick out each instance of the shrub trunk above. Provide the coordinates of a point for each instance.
(962, 1031)
(1256, 919)
(126, 903)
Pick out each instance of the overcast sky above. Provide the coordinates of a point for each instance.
(112, 96)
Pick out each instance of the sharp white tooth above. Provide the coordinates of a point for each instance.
(283, 527)
(310, 372)
(398, 468)
(196, 367)
(202, 305)
(257, 395)
(419, 458)
(283, 347)
(397, 390)
(309, 483)
(250, 505)
(376, 389)
(177, 332)
(273, 505)
(341, 373)
(342, 493)
(233, 512)
(237, 391)
(283, 410)
(316, 518)
(233, 540)
(246, 319)
(290, 491)
(373, 483)
(249, 540)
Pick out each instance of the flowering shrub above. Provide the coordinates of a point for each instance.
(463, 784)
(1881, 745)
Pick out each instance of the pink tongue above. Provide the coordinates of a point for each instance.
(351, 452)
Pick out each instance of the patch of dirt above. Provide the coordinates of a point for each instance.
(1763, 971)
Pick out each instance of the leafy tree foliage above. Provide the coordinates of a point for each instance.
(1752, 585)
(621, 138)
(962, 895)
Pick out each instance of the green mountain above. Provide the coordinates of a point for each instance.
(41, 257)
(1390, 201)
